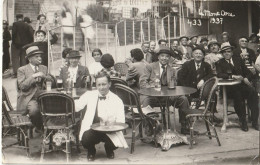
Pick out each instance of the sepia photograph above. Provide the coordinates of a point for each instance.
(130, 82)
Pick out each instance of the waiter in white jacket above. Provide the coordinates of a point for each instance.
(101, 104)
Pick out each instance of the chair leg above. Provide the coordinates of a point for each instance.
(133, 138)
(191, 137)
(51, 141)
(27, 138)
(216, 135)
(68, 146)
(43, 145)
(208, 130)
(18, 132)
(77, 141)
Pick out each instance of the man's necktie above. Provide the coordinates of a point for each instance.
(164, 76)
(198, 66)
(102, 97)
(36, 71)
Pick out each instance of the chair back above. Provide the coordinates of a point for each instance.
(116, 80)
(54, 82)
(208, 92)
(122, 68)
(129, 97)
(5, 100)
(55, 104)
(6, 119)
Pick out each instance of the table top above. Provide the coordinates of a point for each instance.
(228, 82)
(76, 92)
(113, 128)
(165, 91)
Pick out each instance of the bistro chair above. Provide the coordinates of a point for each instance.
(121, 67)
(14, 121)
(116, 80)
(58, 113)
(208, 94)
(138, 120)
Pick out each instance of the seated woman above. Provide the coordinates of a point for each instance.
(107, 61)
(74, 72)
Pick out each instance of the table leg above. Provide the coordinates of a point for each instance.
(225, 118)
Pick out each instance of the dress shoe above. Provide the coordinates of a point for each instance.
(217, 120)
(91, 157)
(110, 155)
(186, 131)
(244, 126)
(256, 126)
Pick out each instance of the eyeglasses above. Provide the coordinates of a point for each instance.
(243, 41)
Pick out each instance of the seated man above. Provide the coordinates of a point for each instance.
(101, 104)
(147, 55)
(195, 72)
(236, 67)
(176, 54)
(136, 69)
(164, 72)
(74, 71)
(204, 45)
(30, 80)
(184, 48)
(193, 42)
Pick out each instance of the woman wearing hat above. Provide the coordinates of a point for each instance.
(74, 72)
(214, 55)
(6, 39)
(107, 61)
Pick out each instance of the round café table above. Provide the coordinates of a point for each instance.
(168, 137)
(75, 93)
(224, 83)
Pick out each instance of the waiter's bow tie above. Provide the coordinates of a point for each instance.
(102, 97)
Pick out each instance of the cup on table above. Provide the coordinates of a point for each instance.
(59, 83)
(48, 85)
(111, 120)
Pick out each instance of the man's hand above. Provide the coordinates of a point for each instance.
(39, 74)
(199, 85)
(246, 81)
(238, 77)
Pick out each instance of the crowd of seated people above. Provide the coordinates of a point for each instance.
(148, 63)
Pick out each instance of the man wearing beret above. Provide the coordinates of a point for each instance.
(196, 72)
(235, 67)
(248, 55)
(164, 72)
(184, 48)
(30, 80)
(21, 35)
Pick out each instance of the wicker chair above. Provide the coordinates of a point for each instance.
(208, 94)
(58, 112)
(116, 80)
(14, 120)
(121, 68)
(131, 100)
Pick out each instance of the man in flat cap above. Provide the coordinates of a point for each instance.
(30, 80)
(248, 55)
(234, 67)
(162, 70)
(184, 48)
(193, 42)
(21, 35)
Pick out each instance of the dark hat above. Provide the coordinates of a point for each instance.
(40, 31)
(74, 54)
(19, 15)
(5, 22)
(32, 50)
(41, 15)
(225, 46)
(198, 48)
(183, 37)
(162, 40)
(203, 39)
(225, 33)
(163, 49)
(65, 52)
(252, 35)
(27, 19)
(213, 42)
(137, 54)
(107, 61)
(243, 37)
(193, 37)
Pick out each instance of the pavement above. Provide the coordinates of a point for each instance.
(237, 147)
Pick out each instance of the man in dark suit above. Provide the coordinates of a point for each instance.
(147, 55)
(175, 52)
(22, 34)
(193, 42)
(30, 80)
(204, 45)
(234, 66)
(184, 48)
(164, 72)
(195, 72)
(136, 69)
(248, 55)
